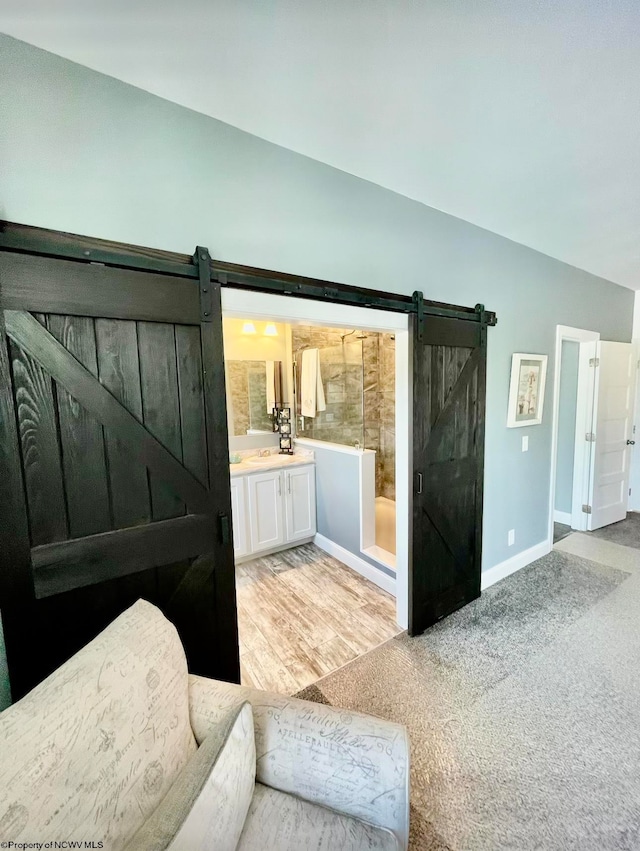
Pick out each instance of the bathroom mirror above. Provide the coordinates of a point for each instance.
(253, 389)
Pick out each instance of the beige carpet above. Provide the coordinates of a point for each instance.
(523, 709)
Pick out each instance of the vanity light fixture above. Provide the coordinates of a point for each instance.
(270, 330)
(248, 328)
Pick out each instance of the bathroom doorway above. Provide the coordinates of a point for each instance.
(592, 431)
(312, 603)
(361, 435)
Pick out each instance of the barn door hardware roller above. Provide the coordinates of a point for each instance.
(418, 301)
(202, 261)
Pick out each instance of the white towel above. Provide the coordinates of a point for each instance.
(311, 389)
(271, 386)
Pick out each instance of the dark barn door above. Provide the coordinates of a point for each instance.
(113, 460)
(449, 364)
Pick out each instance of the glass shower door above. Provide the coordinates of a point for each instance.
(342, 421)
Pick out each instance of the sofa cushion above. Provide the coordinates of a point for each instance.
(89, 753)
(207, 805)
(278, 820)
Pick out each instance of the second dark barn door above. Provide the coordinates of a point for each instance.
(115, 460)
(449, 364)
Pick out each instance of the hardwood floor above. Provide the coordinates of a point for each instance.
(302, 614)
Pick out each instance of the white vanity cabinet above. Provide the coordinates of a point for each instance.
(300, 503)
(273, 509)
(266, 515)
(238, 517)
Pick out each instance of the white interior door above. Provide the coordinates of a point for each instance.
(634, 461)
(613, 419)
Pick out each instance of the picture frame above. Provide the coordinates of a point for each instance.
(286, 446)
(526, 390)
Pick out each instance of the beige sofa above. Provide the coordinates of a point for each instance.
(121, 746)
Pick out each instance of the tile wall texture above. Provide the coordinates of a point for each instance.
(359, 384)
(341, 369)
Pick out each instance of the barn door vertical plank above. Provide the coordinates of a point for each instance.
(118, 367)
(222, 558)
(81, 438)
(39, 440)
(451, 373)
(480, 380)
(119, 370)
(192, 419)
(437, 375)
(423, 363)
(160, 406)
(463, 446)
(16, 583)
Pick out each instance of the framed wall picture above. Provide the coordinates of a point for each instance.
(526, 391)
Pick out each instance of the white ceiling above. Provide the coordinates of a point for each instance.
(521, 116)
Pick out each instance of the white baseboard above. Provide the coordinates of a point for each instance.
(387, 583)
(562, 517)
(506, 568)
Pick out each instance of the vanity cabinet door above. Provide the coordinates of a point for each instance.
(239, 517)
(300, 502)
(266, 520)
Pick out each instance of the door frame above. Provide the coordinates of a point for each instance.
(634, 469)
(278, 308)
(591, 488)
(584, 417)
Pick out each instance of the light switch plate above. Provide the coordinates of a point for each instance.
(511, 537)
(525, 442)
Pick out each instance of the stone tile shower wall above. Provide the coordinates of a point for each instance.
(341, 368)
(359, 385)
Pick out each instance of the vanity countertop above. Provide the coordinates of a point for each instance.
(252, 463)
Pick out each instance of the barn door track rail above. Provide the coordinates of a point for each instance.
(202, 268)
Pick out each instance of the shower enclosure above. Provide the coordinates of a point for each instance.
(358, 375)
(342, 373)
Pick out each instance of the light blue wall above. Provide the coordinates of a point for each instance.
(84, 153)
(567, 424)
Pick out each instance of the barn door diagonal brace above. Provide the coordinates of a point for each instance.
(34, 339)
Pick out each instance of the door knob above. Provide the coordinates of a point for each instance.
(631, 443)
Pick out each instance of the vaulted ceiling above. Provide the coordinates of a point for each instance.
(521, 116)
